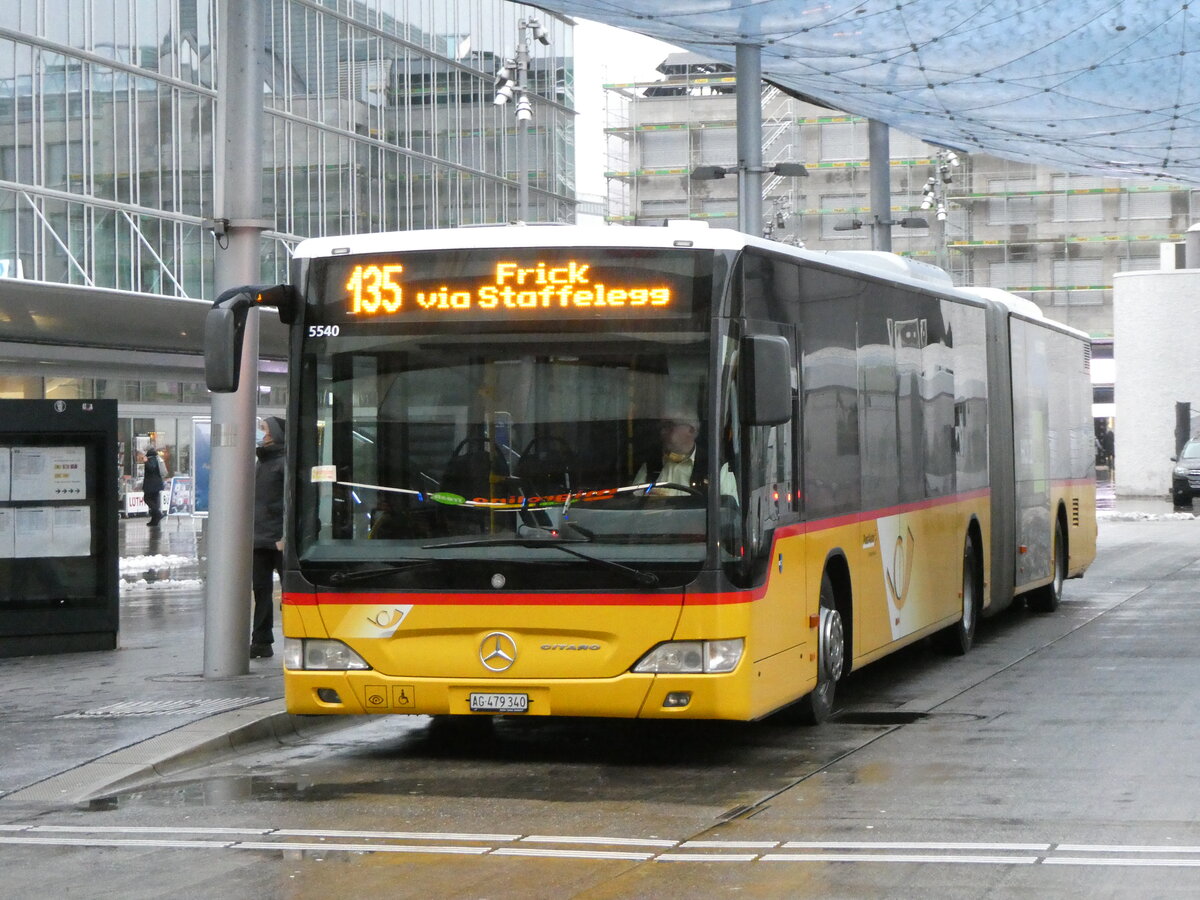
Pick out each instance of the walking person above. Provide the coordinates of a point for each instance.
(268, 533)
(153, 479)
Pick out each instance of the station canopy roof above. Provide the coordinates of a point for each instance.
(1108, 87)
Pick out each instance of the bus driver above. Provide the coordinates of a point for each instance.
(683, 461)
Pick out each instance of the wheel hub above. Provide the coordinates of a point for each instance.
(831, 645)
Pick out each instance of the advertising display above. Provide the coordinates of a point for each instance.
(201, 463)
(178, 496)
(134, 503)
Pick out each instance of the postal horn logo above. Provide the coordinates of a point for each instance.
(498, 652)
(385, 622)
(899, 576)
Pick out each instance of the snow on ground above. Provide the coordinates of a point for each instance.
(159, 572)
(1115, 515)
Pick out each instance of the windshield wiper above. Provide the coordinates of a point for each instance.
(649, 579)
(376, 571)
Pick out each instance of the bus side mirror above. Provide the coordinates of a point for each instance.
(223, 329)
(766, 380)
(225, 324)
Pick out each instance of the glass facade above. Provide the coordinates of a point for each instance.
(380, 116)
(151, 413)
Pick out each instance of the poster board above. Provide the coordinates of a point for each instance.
(44, 474)
(179, 496)
(48, 473)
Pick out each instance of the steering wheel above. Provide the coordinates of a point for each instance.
(691, 490)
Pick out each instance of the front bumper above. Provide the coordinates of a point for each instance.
(626, 696)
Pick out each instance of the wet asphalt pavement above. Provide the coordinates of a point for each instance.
(70, 710)
(66, 711)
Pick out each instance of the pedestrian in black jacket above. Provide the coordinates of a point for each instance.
(152, 486)
(268, 533)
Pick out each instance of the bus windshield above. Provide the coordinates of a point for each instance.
(534, 450)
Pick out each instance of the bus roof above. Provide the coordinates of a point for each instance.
(688, 234)
(1014, 302)
(677, 233)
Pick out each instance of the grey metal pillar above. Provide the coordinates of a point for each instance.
(523, 160)
(881, 185)
(239, 205)
(749, 138)
(1183, 423)
(938, 232)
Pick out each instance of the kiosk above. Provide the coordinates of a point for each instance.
(58, 526)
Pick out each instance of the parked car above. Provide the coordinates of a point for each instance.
(1185, 477)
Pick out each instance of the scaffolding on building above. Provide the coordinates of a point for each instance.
(1054, 237)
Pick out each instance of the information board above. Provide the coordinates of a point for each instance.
(59, 543)
(48, 473)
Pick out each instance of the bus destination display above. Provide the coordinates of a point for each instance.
(423, 287)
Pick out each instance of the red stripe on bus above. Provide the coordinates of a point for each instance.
(858, 518)
(451, 599)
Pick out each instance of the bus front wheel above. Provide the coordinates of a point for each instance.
(816, 706)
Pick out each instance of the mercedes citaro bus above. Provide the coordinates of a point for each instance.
(479, 520)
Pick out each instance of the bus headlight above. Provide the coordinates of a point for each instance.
(328, 656)
(692, 657)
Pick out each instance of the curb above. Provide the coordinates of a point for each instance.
(175, 751)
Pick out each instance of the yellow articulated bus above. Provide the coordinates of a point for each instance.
(654, 472)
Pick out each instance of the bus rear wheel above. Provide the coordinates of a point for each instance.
(1046, 599)
(817, 706)
(960, 637)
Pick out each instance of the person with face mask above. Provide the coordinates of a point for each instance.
(268, 533)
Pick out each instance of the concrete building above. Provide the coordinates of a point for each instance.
(379, 116)
(1156, 374)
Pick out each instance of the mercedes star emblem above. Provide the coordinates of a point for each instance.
(498, 651)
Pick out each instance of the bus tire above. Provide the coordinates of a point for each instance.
(817, 705)
(1046, 599)
(958, 639)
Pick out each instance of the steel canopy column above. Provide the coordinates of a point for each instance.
(749, 138)
(239, 214)
(523, 163)
(881, 185)
(523, 160)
